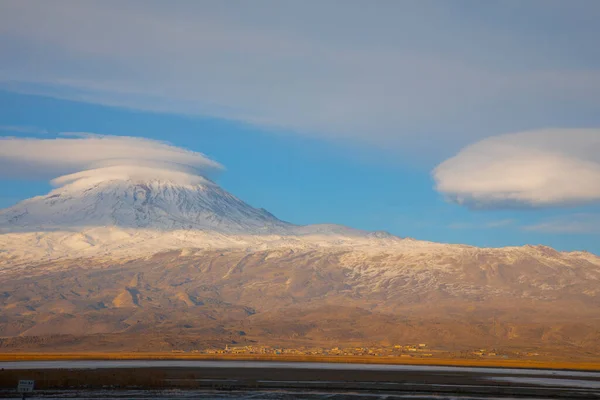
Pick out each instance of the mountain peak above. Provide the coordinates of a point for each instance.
(176, 201)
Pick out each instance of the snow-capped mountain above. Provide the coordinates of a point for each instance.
(137, 211)
(122, 251)
(140, 204)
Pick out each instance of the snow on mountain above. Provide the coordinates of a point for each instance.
(108, 213)
(116, 211)
(140, 203)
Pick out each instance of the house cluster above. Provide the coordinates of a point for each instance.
(420, 350)
(417, 350)
(485, 353)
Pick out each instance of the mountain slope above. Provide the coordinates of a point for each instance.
(146, 204)
(450, 297)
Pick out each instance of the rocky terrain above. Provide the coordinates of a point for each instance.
(152, 265)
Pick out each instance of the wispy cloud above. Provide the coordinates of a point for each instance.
(376, 74)
(83, 135)
(529, 169)
(502, 223)
(23, 129)
(582, 223)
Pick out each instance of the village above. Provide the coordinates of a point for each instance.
(420, 350)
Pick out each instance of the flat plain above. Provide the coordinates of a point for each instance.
(261, 379)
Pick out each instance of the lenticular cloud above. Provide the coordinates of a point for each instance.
(96, 157)
(554, 167)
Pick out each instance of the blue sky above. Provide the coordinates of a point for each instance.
(299, 179)
(335, 112)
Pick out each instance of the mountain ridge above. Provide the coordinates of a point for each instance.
(119, 206)
(129, 216)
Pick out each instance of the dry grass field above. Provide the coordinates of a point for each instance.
(498, 363)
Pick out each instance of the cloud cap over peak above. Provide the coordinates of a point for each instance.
(552, 167)
(50, 158)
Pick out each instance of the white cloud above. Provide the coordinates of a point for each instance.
(130, 171)
(397, 72)
(92, 156)
(582, 223)
(553, 167)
